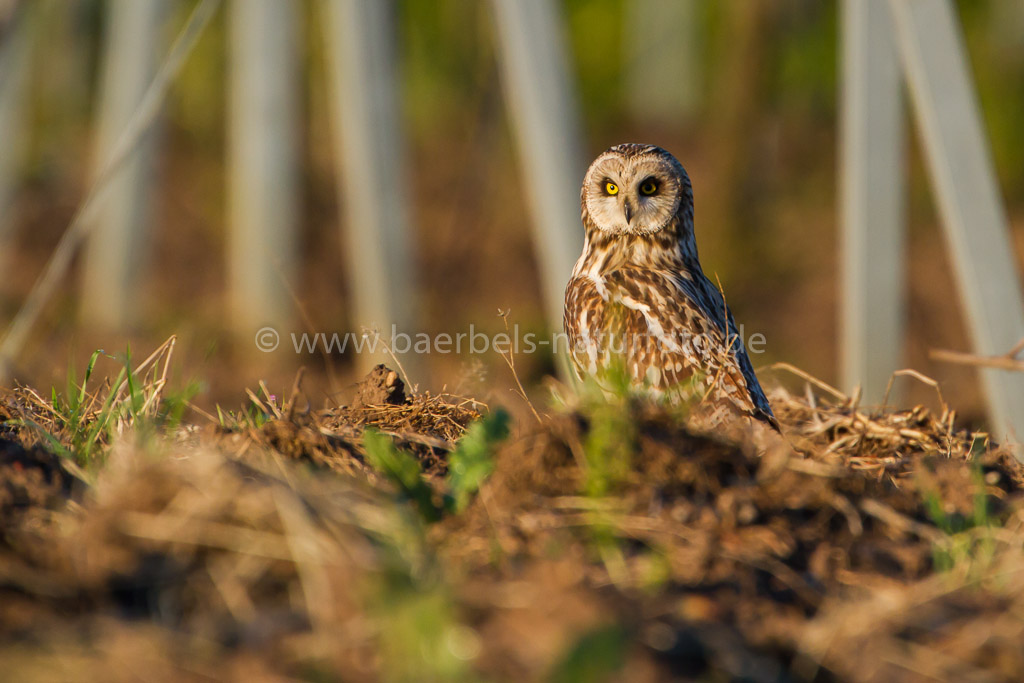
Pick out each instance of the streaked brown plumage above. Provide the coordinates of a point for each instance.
(638, 295)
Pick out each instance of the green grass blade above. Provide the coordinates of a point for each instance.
(403, 470)
(472, 461)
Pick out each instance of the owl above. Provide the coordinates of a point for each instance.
(638, 298)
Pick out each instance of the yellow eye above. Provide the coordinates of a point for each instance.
(649, 187)
(611, 188)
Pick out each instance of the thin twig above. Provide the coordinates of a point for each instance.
(1005, 362)
(510, 360)
(924, 379)
(294, 397)
(1017, 348)
(810, 378)
(271, 400)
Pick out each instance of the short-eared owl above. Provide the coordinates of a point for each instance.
(638, 296)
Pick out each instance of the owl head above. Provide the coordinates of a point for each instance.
(635, 189)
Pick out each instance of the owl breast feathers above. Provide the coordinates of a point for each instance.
(638, 299)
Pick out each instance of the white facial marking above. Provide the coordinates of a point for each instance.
(644, 192)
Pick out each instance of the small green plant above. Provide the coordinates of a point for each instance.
(175, 404)
(420, 636)
(83, 420)
(71, 411)
(611, 406)
(596, 656)
(611, 435)
(469, 465)
(253, 415)
(249, 416)
(472, 461)
(403, 470)
(967, 543)
(607, 404)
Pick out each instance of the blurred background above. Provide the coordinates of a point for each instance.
(746, 97)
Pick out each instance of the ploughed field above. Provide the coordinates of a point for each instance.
(416, 537)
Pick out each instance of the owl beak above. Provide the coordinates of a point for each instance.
(628, 209)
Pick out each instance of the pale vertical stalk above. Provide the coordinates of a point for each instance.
(16, 40)
(541, 94)
(977, 231)
(118, 248)
(871, 183)
(263, 205)
(370, 148)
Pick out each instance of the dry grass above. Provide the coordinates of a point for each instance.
(830, 426)
(616, 536)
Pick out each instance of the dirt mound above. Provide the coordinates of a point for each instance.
(419, 422)
(204, 550)
(425, 424)
(727, 554)
(32, 481)
(614, 540)
(381, 387)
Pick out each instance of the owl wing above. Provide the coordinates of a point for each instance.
(663, 326)
(708, 297)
